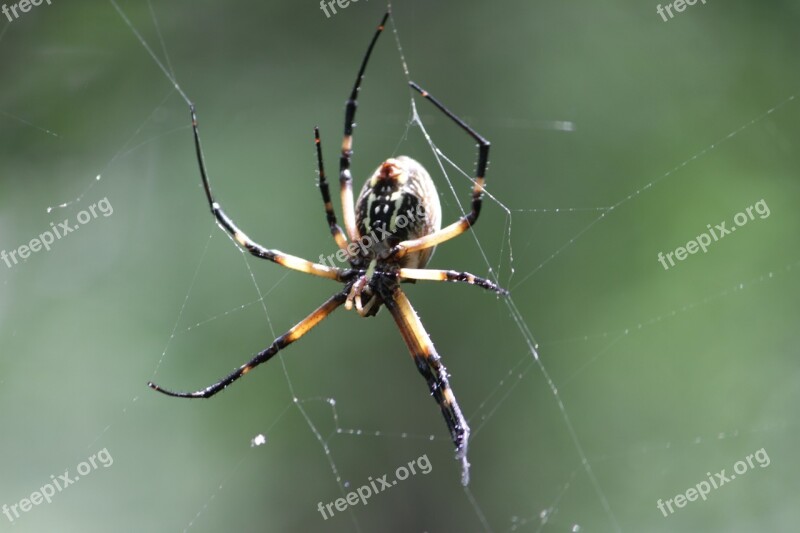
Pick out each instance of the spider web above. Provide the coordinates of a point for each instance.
(529, 364)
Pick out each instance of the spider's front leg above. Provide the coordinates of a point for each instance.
(330, 215)
(286, 260)
(468, 220)
(345, 179)
(430, 366)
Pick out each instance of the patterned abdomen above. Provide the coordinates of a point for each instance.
(399, 202)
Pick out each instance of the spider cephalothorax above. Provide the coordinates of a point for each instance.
(391, 232)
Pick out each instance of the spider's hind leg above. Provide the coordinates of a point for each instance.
(430, 366)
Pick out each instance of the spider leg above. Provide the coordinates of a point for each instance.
(465, 222)
(286, 260)
(430, 366)
(302, 327)
(336, 230)
(428, 274)
(345, 179)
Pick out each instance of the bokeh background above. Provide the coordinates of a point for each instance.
(647, 379)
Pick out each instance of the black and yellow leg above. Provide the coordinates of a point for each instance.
(345, 179)
(303, 327)
(430, 366)
(428, 274)
(336, 230)
(465, 222)
(289, 261)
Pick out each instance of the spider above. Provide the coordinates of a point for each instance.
(401, 203)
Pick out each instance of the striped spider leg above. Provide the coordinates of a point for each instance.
(303, 327)
(430, 366)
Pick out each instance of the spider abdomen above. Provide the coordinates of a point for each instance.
(399, 202)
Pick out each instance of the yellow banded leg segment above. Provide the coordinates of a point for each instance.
(302, 327)
(239, 236)
(302, 265)
(466, 221)
(289, 261)
(427, 274)
(348, 202)
(430, 366)
(330, 214)
(434, 239)
(345, 179)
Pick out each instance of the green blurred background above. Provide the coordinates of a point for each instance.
(662, 375)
